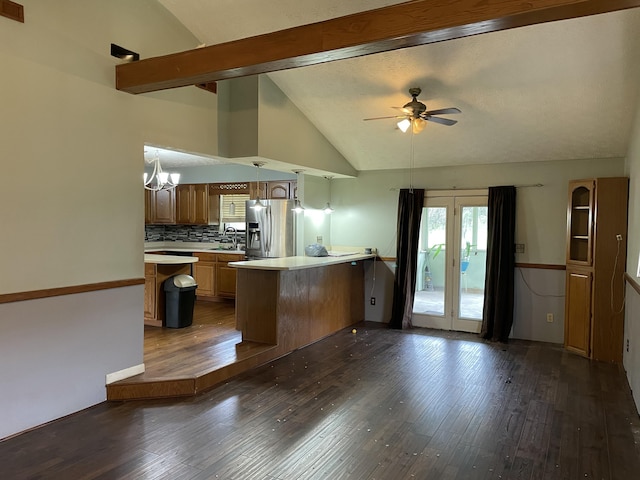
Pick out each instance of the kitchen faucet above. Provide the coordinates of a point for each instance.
(234, 239)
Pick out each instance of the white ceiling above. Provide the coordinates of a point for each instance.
(556, 91)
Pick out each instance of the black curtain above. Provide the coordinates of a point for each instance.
(497, 315)
(409, 212)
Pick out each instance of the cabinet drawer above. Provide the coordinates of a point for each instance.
(205, 256)
(230, 257)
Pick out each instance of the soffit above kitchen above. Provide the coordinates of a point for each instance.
(554, 91)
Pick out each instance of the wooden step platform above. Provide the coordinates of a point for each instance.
(186, 361)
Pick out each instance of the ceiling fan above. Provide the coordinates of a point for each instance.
(415, 114)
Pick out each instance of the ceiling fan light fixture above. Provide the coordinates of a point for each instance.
(418, 125)
(404, 124)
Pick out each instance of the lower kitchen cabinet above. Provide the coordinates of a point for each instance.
(149, 292)
(226, 275)
(204, 272)
(215, 278)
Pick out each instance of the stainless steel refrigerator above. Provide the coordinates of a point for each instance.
(270, 230)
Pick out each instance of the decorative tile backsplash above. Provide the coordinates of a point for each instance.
(187, 233)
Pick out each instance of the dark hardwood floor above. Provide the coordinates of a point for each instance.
(378, 404)
(185, 361)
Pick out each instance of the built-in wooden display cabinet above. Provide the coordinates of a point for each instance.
(596, 259)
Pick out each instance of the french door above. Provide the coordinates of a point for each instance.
(451, 261)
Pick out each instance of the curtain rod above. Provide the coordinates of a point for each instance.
(395, 189)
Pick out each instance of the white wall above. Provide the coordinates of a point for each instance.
(71, 148)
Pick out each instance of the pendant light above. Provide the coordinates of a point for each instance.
(328, 210)
(159, 180)
(258, 205)
(297, 206)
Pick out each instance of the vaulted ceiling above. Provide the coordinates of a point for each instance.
(553, 91)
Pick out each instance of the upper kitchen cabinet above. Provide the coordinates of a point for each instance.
(149, 206)
(279, 190)
(159, 207)
(192, 204)
(273, 190)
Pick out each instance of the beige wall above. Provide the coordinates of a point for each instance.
(366, 206)
(71, 149)
(631, 356)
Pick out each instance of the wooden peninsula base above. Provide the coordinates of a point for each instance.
(295, 301)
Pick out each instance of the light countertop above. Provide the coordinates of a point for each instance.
(299, 263)
(168, 259)
(213, 247)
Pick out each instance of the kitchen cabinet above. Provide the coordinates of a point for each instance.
(596, 258)
(159, 207)
(149, 206)
(273, 190)
(214, 208)
(192, 204)
(215, 278)
(149, 292)
(226, 275)
(279, 190)
(204, 274)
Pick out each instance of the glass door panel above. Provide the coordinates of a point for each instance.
(451, 263)
(431, 303)
(471, 266)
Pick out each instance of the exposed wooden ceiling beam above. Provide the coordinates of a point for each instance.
(398, 26)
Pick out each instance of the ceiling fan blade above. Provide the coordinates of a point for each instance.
(382, 118)
(443, 111)
(406, 111)
(441, 121)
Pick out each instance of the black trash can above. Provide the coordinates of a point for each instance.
(180, 298)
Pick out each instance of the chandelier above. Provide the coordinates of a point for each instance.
(159, 179)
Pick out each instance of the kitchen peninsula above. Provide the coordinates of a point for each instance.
(157, 268)
(294, 301)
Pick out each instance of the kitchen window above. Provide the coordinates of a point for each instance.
(227, 213)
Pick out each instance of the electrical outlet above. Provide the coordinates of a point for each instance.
(618, 237)
(519, 247)
(319, 239)
(550, 317)
(373, 300)
(627, 344)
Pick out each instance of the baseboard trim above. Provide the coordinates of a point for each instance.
(125, 373)
(56, 292)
